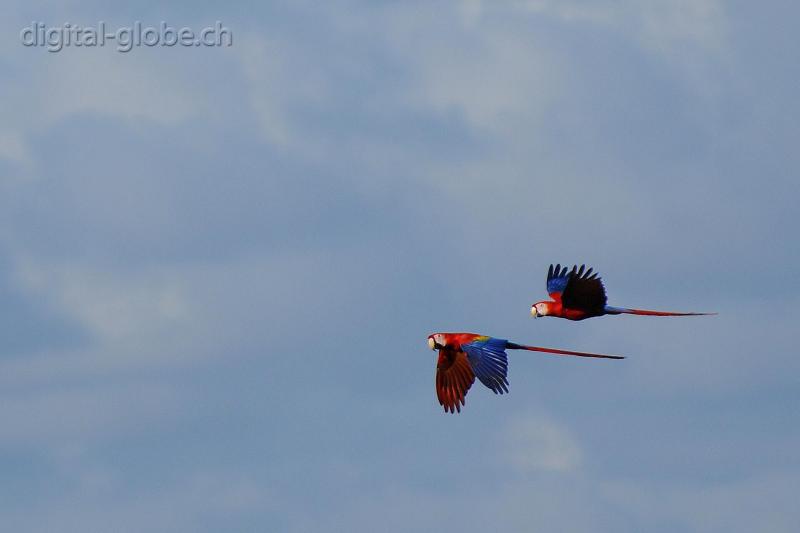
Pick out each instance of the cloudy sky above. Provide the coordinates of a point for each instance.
(219, 266)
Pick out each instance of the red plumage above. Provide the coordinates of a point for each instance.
(578, 294)
(463, 357)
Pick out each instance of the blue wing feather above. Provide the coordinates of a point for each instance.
(489, 363)
(557, 279)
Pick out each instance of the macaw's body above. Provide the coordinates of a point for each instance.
(465, 356)
(578, 294)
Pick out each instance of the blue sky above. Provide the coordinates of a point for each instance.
(219, 267)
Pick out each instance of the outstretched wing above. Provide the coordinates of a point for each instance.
(488, 359)
(557, 279)
(454, 377)
(583, 290)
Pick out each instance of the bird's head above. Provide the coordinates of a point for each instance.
(540, 309)
(436, 341)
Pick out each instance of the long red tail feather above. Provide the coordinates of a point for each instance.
(614, 310)
(556, 351)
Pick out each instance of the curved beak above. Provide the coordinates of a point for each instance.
(534, 312)
(431, 343)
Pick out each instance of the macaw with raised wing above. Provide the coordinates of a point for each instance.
(465, 356)
(578, 294)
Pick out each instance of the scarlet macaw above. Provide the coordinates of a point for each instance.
(578, 295)
(465, 356)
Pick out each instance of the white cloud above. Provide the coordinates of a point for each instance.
(537, 442)
(667, 25)
(263, 62)
(283, 78)
(662, 25)
(62, 421)
(170, 315)
(13, 147)
(101, 81)
(761, 503)
(50, 88)
(495, 78)
(572, 11)
(685, 34)
(106, 82)
(189, 502)
(114, 307)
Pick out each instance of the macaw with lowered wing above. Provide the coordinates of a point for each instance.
(465, 356)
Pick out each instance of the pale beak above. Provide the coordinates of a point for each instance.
(534, 312)
(431, 343)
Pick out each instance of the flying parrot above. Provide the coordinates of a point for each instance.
(465, 356)
(578, 294)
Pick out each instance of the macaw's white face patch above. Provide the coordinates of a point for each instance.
(436, 341)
